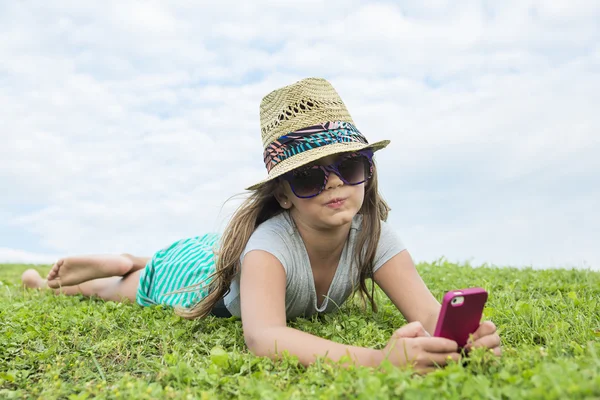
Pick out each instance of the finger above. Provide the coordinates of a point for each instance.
(412, 330)
(489, 341)
(486, 328)
(438, 345)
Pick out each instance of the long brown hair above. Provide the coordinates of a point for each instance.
(262, 205)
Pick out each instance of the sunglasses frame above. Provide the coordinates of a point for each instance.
(327, 169)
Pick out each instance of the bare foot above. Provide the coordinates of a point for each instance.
(32, 279)
(75, 270)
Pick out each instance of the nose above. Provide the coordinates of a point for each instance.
(333, 181)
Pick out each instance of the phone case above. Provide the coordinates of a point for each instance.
(458, 321)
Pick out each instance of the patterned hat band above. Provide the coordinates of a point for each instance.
(310, 138)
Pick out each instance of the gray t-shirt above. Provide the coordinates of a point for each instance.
(280, 237)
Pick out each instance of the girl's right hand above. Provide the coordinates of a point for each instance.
(412, 345)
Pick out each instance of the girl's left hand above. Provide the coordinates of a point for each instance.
(486, 336)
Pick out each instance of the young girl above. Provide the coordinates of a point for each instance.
(306, 238)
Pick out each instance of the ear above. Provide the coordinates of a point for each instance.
(282, 196)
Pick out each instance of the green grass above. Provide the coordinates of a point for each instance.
(76, 348)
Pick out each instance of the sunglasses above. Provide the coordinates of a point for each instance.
(353, 169)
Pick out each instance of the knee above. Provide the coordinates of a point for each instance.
(131, 260)
(134, 262)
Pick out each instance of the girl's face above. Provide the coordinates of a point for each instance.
(338, 202)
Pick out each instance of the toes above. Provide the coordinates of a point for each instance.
(54, 271)
(54, 284)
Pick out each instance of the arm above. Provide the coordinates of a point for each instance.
(401, 282)
(262, 291)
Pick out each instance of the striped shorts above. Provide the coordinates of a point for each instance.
(184, 263)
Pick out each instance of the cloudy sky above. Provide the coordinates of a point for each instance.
(128, 124)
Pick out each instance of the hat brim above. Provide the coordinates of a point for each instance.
(309, 156)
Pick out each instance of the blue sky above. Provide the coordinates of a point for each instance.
(127, 125)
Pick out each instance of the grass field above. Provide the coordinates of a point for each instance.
(75, 348)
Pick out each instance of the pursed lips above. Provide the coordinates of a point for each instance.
(335, 200)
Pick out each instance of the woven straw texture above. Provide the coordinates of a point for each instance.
(305, 103)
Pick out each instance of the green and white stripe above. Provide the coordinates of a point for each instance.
(184, 263)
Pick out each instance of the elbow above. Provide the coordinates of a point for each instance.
(251, 342)
(259, 343)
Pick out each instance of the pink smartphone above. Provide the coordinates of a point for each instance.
(461, 314)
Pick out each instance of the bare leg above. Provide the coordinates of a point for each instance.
(71, 271)
(138, 262)
(113, 288)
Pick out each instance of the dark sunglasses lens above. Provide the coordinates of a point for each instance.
(307, 182)
(355, 169)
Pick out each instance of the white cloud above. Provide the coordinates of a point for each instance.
(128, 124)
(24, 257)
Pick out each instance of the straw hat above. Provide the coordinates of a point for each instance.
(304, 122)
